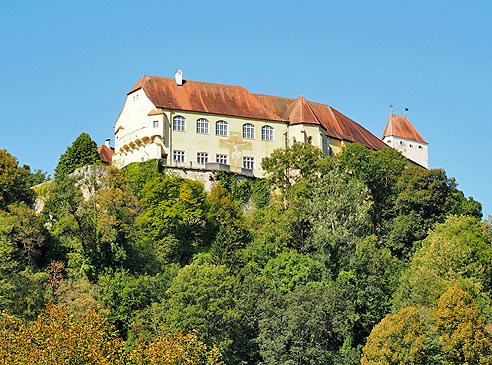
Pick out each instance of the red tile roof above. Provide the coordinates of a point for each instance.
(203, 97)
(399, 126)
(105, 153)
(237, 101)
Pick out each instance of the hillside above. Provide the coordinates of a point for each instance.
(345, 259)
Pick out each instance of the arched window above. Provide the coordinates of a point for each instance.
(221, 128)
(267, 133)
(248, 131)
(202, 126)
(179, 123)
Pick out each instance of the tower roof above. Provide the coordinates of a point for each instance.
(301, 113)
(399, 126)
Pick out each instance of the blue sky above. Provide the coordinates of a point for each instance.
(66, 67)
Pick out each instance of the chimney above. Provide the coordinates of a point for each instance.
(108, 143)
(179, 77)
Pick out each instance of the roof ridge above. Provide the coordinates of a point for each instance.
(400, 126)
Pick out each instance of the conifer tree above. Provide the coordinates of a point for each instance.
(82, 152)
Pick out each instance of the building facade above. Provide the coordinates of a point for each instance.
(198, 125)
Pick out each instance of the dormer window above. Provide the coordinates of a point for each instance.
(156, 123)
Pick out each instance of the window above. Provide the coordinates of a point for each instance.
(248, 162)
(179, 123)
(248, 131)
(267, 133)
(221, 128)
(156, 124)
(420, 147)
(221, 158)
(202, 126)
(201, 158)
(179, 156)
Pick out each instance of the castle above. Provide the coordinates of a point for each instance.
(204, 126)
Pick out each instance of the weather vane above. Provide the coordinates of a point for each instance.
(391, 106)
(406, 111)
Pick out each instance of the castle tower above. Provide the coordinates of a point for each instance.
(402, 136)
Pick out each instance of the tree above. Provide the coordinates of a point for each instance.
(83, 152)
(379, 171)
(203, 298)
(306, 326)
(175, 349)
(137, 174)
(401, 338)
(368, 282)
(124, 295)
(456, 252)
(461, 330)
(59, 337)
(226, 227)
(36, 177)
(14, 182)
(339, 212)
(289, 269)
(23, 239)
(285, 167)
(174, 216)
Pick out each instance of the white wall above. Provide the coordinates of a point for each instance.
(136, 138)
(413, 150)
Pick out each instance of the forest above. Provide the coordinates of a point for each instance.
(346, 259)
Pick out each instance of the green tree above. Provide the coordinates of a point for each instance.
(306, 326)
(137, 174)
(339, 210)
(368, 282)
(124, 295)
(456, 252)
(289, 269)
(379, 171)
(226, 227)
(82, 152)
(425, 197)
(204, 298)
(97, 232)
(14, 181)
(285, 167)
(174, 216)
(24, 240)
(36, 177)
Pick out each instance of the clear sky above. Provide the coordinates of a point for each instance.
(66, 66)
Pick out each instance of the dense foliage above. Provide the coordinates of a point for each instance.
(82, 152)
(327, 260)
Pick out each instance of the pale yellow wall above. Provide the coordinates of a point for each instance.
(234, 145)
(302, 133)
(336, 145)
